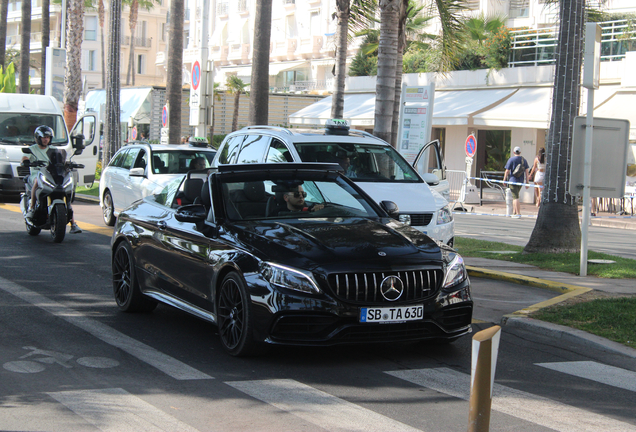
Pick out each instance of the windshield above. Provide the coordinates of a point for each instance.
(361, 162)
(293, 198)
(18, 129)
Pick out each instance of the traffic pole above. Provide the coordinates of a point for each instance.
(484, 361)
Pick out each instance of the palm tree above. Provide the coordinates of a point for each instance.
(73, 76)
(112, 134)
(235, 86)
(480, 27)
(557, 227)
(174, 92)
(132, 22)
(102, 15)
(4, 9)
(46, 34)
(259, 101)
(25, 47)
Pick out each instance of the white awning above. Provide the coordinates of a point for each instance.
(620, 106)
(359, 109)
(527, 108)
(238, 70)
(276, 68)
(131, 101)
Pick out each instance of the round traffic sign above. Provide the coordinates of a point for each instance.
(196, 75)
(134, 133)
(164, 116)
(471, 145)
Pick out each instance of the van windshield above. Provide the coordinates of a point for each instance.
(361, 162)
(18, 128)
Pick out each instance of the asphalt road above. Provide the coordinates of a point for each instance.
(71, 361)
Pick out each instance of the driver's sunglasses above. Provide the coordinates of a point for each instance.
(299, 194)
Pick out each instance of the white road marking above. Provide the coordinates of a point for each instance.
(115, 410)
(168, 365)
(98, 362)
(516, 403)
(317, 407)
(598, 372)
(23, 366)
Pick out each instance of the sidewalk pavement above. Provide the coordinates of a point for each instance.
(567, 285)
(602, 218)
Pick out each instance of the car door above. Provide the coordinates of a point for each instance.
(86, 126)
(431, 161)
(114, 178)
(127, 195)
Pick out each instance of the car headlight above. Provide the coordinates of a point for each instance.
(454, 269)
(444, 215)
(287, 277)
(405, 219)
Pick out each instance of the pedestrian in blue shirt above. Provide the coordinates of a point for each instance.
(517, 171)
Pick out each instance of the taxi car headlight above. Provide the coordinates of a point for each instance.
(405, 219)
(287, 277)
(454, 269)
(444, 215)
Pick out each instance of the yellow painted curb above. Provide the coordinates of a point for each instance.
(552, 301)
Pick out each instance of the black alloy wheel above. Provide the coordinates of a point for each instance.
(126, 289)
(108, 209)
(234, 318)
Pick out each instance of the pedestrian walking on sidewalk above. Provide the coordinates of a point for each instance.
(517, 171)
(537, 174)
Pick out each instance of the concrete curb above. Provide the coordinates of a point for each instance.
(86, 198)
(523, 280)
(567, 334)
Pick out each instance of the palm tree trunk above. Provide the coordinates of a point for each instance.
(175, 64)
(557, 227)
(46, 30)
(235, 115)
(398, 74)
(134, 10)
(112, 128)
(4, 9)
(25, 47)
(73, 77)
(387, 60)
(101, 15)
(259, 87)
(343, 12)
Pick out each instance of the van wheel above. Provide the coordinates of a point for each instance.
(108, 209)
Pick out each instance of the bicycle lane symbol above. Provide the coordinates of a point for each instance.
(38, 358)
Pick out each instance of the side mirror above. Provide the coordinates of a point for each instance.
(78, 143)
(26, 150)
(137, 172)
(431, 179)
(193, 213)
(391, 208)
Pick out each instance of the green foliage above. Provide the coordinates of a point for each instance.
(235, 85)
(497, 48)
(363, 65)
(487, 44)
(7, 79)
(414, 61)
(218, 139)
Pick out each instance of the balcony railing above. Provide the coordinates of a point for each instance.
(137, 41)
(539, 47)
(223, 9)
(242, 6)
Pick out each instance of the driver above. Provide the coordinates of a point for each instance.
(295, 200)
(43, 136)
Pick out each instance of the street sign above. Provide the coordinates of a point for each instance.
(133, 133)
(471, 146)
(196, 75)
(164, 116)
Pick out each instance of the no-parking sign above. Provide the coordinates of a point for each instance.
(134, 133)
(164, 116)
(196, 75)
(471, 145)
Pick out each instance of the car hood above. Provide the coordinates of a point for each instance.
(409, 197)
(353, 243)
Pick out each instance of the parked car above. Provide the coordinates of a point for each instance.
(136, 170)
(293, 254)
(369, 161)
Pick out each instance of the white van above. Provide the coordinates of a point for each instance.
(20, 115)
(370, 162)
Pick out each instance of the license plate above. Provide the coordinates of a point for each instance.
(391, 314)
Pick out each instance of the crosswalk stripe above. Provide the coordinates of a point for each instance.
(317, 407)
(168, 365)
(115, 410)
(516, 403)
(598, 372)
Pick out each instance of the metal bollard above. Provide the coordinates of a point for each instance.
(482, 377)
(508, 202)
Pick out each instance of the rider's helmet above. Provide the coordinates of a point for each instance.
(41, 132)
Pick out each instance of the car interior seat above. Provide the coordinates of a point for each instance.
(191, 192)
(158, 166)
(276, 202)
(251, 201)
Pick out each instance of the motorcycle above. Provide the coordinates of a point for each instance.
(56, 190)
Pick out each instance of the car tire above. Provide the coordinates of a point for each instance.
(108, 209)
(235, 318)
(128, 295)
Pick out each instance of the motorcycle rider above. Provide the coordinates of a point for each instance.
(43, 136)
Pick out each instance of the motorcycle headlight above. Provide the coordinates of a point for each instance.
(68, 182)
(287, 277)
(45, 181)
(405, 219)
(454, 269)
(444, 215)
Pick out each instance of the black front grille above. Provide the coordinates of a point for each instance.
(23, 171)
(365, 287)
(421, 219)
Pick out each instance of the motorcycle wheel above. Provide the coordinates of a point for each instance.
(58, 223)
(31, 229)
